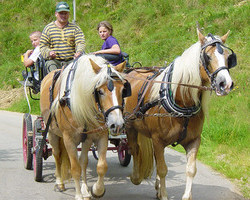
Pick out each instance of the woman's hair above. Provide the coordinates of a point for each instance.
(36, 33)
(107, 25)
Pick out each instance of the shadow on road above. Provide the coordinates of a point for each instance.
(119, 186)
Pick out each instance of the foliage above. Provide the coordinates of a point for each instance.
(153, 32)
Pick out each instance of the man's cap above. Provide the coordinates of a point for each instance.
(62, 6)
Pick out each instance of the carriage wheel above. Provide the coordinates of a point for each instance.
(123, 155)
(37, 144)
(27, 141)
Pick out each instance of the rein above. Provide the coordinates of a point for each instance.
(205, 88)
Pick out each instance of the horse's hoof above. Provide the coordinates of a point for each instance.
(97, 196)
(135, 181)
(157, 195)
(187, 198)
(59, 188)
(78, 197)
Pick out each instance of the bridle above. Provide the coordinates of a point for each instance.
(126, 92)
(232, 59)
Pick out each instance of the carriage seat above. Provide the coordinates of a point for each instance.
(114, 57)
(34, 74)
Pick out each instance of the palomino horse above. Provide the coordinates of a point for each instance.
(174, 113)
(87, 94)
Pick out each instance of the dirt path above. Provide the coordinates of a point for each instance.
(7, 97)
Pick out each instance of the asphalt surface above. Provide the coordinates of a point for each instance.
(18, 183)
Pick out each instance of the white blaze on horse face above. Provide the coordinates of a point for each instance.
(115, 117)
(223, 73)
(115, 102)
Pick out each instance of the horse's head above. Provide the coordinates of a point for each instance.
(110, 96)
(217, 59)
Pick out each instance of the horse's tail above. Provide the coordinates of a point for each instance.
(145, 156)
(65, 165)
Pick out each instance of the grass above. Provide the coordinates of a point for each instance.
(21, 106)
(153, 32)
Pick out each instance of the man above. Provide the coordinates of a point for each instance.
(61, 40)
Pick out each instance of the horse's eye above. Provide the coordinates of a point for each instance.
(207, 58)
(100, 92)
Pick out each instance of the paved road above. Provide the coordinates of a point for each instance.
(18, 183)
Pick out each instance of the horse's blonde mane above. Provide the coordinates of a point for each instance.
(186, 70)
(82, 100)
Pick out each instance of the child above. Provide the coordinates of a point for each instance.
(31, 56)
(110, 49)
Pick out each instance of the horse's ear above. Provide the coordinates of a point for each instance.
(224, 37)
(120, 67)
(201, 37)
(95, 67)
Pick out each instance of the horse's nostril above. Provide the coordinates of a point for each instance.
(112, 126)
(232, 86)
(222, 86)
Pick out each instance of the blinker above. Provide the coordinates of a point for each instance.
(232, 60)
(219, 48)
(126, 90)
(110, 85)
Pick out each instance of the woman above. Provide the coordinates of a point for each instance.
(111, 50)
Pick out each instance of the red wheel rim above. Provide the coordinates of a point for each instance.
(34, 154)
(121, 152)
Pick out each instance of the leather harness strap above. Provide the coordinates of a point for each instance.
(143, 91)
(45, 132)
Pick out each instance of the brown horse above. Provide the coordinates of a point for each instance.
(174, 113)
(87, 94)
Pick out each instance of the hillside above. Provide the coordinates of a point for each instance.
(153, 32)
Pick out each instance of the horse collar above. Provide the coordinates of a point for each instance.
(66, 97)
(167, 100)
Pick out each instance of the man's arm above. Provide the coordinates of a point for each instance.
(79, 42)
(45, 44)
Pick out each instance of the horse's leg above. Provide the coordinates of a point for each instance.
(84, 163)
(98, 188)
(161, 169)
(54, 141)
(71, 148)
(191, 151)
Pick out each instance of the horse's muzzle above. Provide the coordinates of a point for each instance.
(116, 129)
(223, 87)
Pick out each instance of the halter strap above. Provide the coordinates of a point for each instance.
(213, 41)
(111, 109)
